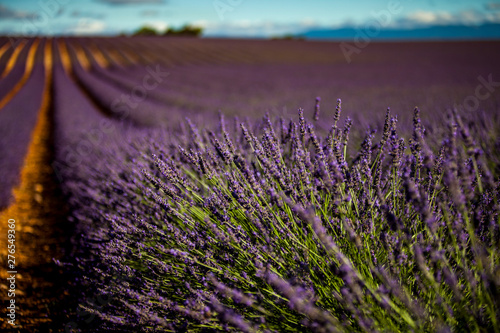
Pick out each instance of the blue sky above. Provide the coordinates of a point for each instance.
(244, 18)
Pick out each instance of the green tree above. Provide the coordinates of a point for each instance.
(146, 31)
(186, 30)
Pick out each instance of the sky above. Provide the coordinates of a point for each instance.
(234, 18)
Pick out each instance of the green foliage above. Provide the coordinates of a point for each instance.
(187, 30)
(146, 31)
(288, 37)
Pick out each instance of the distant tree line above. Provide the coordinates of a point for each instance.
(187, 30)
(288, 37)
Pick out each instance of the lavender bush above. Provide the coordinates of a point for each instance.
(270, 226)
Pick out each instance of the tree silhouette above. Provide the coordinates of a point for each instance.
(187, 30)
(146, 31)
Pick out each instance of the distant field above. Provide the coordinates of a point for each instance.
(252, 77)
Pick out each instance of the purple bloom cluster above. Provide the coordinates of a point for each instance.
(275, 226)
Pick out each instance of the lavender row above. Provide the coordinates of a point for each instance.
(17, 71)
(17, 121)
(155, 79)
(80, 127)
(4, 58)
(132, 104)
(270, 226)
(401, 75)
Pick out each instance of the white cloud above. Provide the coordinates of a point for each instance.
(88, 27)
(467, 17)
(247, 28)
(429, 17)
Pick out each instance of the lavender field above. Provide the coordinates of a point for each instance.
(206, 185)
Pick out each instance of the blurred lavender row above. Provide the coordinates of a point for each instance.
(16, 72)
(17, 121)
(254, 77)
